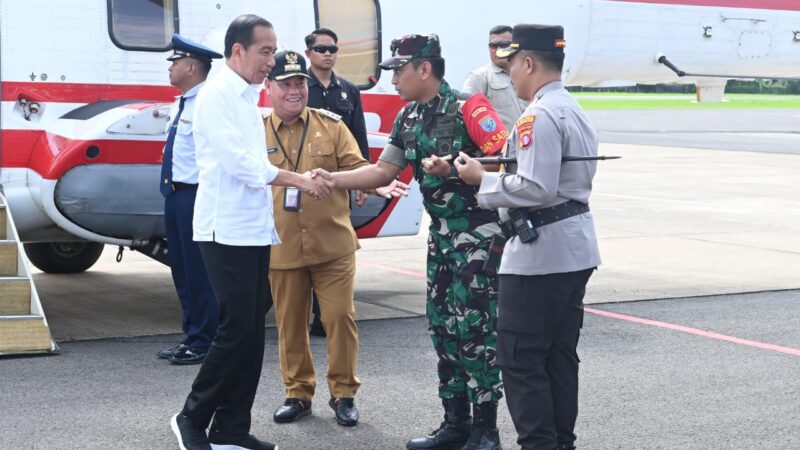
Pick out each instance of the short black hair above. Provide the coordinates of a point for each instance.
(500, 29)
(437, 66)
(240, 31)
(203, 66)
(550, 59)
(311, 38)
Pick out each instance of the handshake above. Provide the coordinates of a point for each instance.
(319, 183)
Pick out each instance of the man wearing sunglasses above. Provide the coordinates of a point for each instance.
(493, 80)
(327, 91)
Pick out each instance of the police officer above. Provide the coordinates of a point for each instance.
(318, 249)
(190, 65)
(542, 280)
(334, 93)
(462, 289)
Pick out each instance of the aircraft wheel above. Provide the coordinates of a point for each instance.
(64, 257)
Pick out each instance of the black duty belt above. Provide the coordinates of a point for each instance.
(177, 185)
(523, 222)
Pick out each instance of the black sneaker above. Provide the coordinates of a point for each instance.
(190, 436)
(187, 356)
(346, 411)
(226, 441)
(167, 353)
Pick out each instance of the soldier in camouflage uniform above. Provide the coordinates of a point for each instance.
(462, 285)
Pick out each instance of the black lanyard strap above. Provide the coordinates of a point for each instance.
(283, 150)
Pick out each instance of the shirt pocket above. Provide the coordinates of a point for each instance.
(498, 93)
(184, 128)
(276, 156)
(322, 153)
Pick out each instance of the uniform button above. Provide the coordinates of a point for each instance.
(294, 151)
(304, 230)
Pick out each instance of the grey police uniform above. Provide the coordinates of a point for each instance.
(543, 281)
(542, 181)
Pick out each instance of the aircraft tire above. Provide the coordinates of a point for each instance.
(63, 257)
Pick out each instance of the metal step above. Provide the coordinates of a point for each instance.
(24, 334)
(15, 296)
(3, 222)
(9, 258)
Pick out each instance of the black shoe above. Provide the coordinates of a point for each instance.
(227, 441)
(346, 411)
(291, 410)
(187, 356)
(190, 436)
(484, 434)
(453, 433)
(316, 328)
(168, 352)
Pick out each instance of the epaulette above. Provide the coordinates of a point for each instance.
(328, 114)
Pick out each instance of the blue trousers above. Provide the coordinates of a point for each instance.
(200, 307)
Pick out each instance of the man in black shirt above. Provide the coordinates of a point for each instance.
(327, 91)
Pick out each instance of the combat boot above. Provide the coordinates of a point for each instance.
(452, 433)
(484, 434)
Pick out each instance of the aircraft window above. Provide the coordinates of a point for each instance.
(358, 25)
(144, 25)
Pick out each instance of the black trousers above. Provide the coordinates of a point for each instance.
(227, 381)
(539, 322)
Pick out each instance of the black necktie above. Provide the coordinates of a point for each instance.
(166, 164)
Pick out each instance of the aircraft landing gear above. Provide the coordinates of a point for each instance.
(63, 257)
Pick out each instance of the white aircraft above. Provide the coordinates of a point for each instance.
(85, 92)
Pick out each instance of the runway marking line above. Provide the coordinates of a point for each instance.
(695, 331)
(634, 319)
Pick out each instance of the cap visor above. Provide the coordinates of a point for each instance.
(393, 63)
(290, 75)
(173, 57)
(506, 52)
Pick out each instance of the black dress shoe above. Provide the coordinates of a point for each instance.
(167, 353)
(190, 436)
(222, 440)
(346, 411)
(187, 356)
(291, 410)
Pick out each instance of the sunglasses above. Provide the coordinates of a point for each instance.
(325, 48)
(499, 44)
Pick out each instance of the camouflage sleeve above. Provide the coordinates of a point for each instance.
(394, 152)
(483, 124)
(394, 135)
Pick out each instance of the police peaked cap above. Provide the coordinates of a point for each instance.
(534, 37)
(184, 48)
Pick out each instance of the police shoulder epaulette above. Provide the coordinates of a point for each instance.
(328, 114)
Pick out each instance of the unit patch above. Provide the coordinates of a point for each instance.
(524, 128)
(488, 124)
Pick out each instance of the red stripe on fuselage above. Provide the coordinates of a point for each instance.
(84, 92)
(776, 5)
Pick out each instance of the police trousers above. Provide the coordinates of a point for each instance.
(333, 282)
(539, 322)
(226, 384)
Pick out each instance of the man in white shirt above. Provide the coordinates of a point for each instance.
(493, 80)
(234, 226)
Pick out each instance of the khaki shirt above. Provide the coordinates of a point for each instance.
(495, 84)
(321, 231)
(554, 125)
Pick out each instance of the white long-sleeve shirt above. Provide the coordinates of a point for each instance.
(234, 199)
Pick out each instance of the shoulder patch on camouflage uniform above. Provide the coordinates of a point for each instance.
(328, 114)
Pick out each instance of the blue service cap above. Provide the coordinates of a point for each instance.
(184, 48)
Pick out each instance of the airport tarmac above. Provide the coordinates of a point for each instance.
(691, 340)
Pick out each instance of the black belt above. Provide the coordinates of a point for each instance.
(177, 186)
(546, 216)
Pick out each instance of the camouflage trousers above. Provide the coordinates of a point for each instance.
(462, 313)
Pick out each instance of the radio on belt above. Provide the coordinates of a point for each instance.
(522, 225)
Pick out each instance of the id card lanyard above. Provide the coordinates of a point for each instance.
(291, 195)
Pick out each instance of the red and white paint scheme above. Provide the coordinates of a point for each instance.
(85, 91)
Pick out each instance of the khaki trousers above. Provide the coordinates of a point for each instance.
(291, 290)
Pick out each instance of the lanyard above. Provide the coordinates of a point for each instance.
(283, 150)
